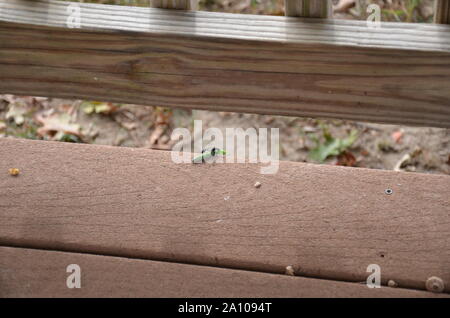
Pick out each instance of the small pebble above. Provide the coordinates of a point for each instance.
(392, 283)
(257, 184)
(290, 270)
(14, 171)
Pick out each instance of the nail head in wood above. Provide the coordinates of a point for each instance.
(435, 284)
(392, 283)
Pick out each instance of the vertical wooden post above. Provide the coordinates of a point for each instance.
(175, 4)
(308, 8)
(442, 11)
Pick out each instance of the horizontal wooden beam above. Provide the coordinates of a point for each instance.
(442, 11)
(399, 73)
(324, 221)
(307, 8)
(38, 273)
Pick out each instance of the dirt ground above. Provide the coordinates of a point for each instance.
(368, 145)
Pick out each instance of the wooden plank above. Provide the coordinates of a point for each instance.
(399, 73)
(38, 273)
(442, 11)
(307, 8)
(175, 4)
(324, 221)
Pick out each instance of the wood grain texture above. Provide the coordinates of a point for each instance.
(324, 221)
(229, 62)
(175, 4)
(442, 11)
(37, 273)
(307, 8)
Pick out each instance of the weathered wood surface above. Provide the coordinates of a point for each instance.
(38, 273)
(307, 8)
(442, 11)
(175, 4)
(325, 221)
(244, 63)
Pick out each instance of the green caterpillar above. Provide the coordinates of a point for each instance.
(206, 154)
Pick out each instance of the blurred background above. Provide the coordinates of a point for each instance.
(390, 147)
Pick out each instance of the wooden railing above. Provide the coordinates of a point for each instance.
(308, 9)
(442, 11)
(399, 73)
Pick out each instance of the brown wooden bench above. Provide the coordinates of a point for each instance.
(140, 225)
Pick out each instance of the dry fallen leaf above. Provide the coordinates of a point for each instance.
(343, 6)
(90, 107)
(16, 112)
(162, 121)
(156, 134)
(347, 159)
(365, 153)
(56, 124)
(402, 162)
(129, 125)
(397, 136)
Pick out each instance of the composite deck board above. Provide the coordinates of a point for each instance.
(324, 221)
(292, 66)
(38, 273)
